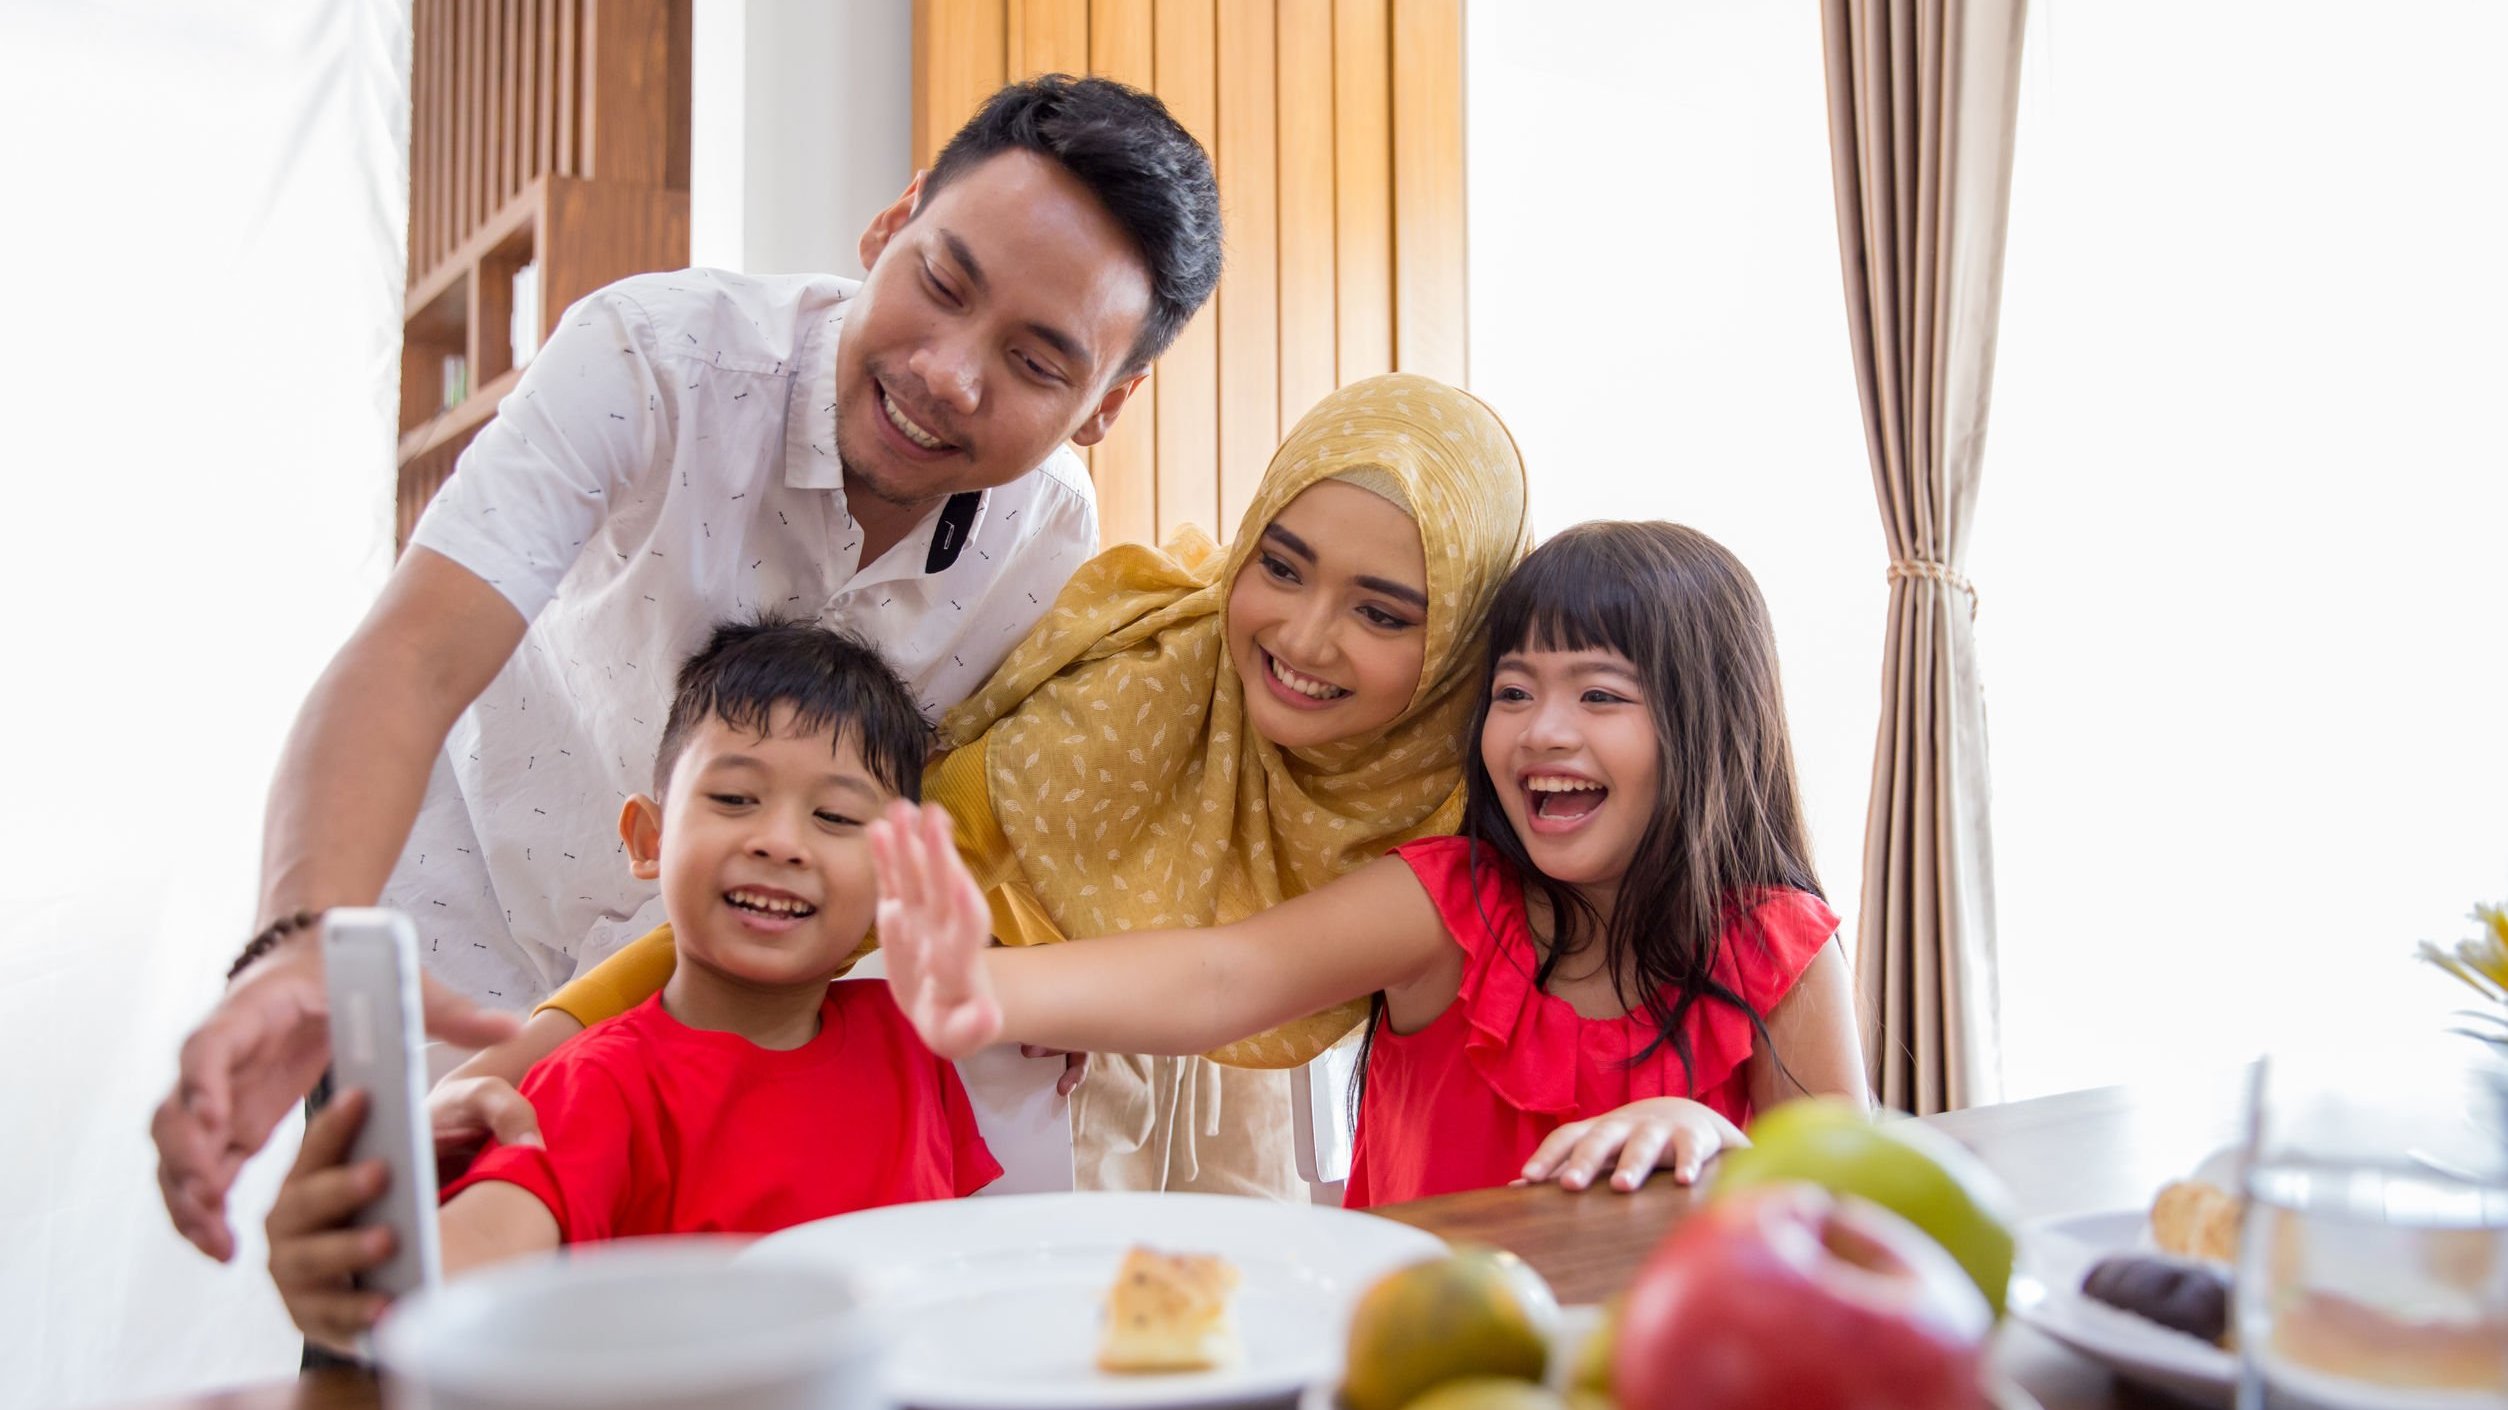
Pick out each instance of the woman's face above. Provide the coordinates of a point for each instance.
(1327, 621)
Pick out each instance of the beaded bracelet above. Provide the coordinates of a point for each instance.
(269, 939)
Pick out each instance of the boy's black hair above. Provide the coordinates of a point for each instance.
(1139, 162)
(833, 682)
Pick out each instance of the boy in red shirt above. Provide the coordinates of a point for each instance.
(750, 1094)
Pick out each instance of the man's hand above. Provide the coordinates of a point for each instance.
(256, 1055)
(464, 1112)
(933, 927)
(314, 1254)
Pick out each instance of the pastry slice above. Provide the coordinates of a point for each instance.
(2192, 1219)
(1169, 1312)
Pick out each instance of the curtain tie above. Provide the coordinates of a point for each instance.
(1938, 572)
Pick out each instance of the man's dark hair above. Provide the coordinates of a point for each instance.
(833, 682)
(1139, 162)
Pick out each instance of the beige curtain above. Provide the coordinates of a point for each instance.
(1921, 105)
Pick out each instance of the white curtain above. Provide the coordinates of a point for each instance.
(2245, 601)
(203, 253)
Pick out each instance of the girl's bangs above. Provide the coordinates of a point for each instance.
(1568, 597)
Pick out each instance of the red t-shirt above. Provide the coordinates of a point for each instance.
(1463, 1103)
(653, 1127)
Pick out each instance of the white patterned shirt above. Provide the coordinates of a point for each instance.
(668, 461)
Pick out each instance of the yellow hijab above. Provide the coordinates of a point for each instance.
(1116, 754)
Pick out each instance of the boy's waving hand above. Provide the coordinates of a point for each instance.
(933, 925)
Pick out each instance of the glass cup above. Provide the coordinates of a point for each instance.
(2373, 1258)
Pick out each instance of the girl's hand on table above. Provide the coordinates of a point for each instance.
(1672, 1133)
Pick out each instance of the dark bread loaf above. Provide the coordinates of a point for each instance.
(2188, 1297)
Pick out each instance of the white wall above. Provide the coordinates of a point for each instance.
(205, 246)
(2246, 602)
(1655, 310)
(2239, 539)
(801, 130)
(200, 397)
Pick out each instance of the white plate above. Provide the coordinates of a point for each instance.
(2046, 1294)
(993, 1304)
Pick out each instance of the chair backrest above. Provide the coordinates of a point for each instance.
(1319, 1106)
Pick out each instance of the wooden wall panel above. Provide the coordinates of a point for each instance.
(1336, 127)
(1125, 464)
(1048, 36)
(1362, 150)
(627, 103)
(1248, 302)
(569, 90)
(503, 171)
(547, 131)
(544, 49)
(1185, 40)
(961, 58)
(1307, 305)
(1428, 249)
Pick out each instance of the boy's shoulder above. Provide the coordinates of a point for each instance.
(621, 1039)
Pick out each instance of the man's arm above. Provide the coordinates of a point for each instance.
(355, 767)
(348, 787)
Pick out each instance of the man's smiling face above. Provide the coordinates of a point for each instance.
(998, 321)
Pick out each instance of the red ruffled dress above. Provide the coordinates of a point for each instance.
(1462, 1103)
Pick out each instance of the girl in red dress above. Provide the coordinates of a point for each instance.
(1622, 957)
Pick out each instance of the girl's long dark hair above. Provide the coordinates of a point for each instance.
(1728, 823)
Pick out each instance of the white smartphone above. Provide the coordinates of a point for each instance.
(370, 967)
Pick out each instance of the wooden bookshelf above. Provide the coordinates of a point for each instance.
(551, 133)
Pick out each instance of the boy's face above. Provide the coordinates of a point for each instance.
(760, 849)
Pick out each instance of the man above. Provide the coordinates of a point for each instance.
(690, 447)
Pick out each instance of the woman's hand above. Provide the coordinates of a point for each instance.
(1672, 1132)
(933, 926)
(1075, 1066)
(313, 1252)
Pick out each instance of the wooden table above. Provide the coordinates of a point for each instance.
(2102, 1149)
(2099, 1149)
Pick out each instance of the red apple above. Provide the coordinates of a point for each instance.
(1792, 1296)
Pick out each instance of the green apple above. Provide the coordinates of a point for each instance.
(1918, 1173)
(1591, 1370)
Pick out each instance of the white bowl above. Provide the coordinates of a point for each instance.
(650, 1324)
